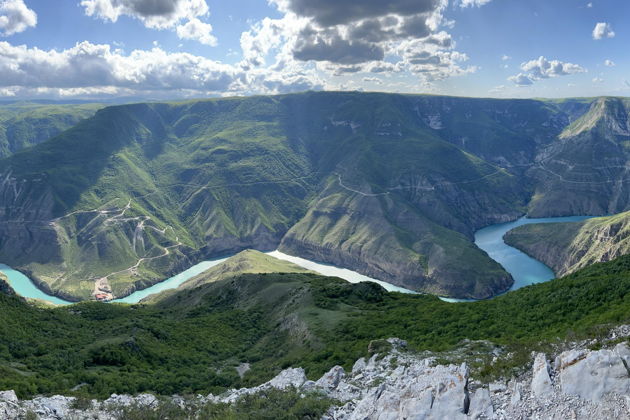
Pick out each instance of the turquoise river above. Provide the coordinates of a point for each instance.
(524, 269)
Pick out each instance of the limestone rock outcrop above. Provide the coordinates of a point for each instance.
(581, 384)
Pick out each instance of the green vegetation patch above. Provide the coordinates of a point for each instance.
(193, 342)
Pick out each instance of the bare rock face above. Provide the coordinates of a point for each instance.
(541, 382)
(288, 378)
(419, 391)
(481, 405)
(592, 375)
(331, 379)
(582, 385)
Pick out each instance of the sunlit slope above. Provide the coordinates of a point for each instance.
(245, 262)
(24, 124)
(392, 186)
(585, 170)
(567, 247)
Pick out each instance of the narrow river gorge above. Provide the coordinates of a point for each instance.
(524, 269)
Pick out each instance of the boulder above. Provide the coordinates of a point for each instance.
(397, 343)
(359, 365)
(55, 407)
(8, 396)
(331, 379)
(481, 405)
(593, 374)
(9, 408)
(541, 381)
(293, 377)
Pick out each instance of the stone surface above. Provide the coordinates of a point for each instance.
(331, 379)
(8, 396)
(592, 375)
(481, 405)
(359, 365)
(294, 377)
(541, 382)
(582, 385)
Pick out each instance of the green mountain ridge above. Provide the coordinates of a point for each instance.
(24, 124)
(392, 186)
(586, 170)
(245, 262)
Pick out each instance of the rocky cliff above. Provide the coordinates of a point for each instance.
(4, 286)
(567, 247)
(584, 171)
(576, 383)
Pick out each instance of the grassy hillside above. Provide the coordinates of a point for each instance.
(567, 247)
(193, 342)
(245, 262)
(392, 186)
(24, 124)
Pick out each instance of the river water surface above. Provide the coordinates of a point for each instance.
(524, 269)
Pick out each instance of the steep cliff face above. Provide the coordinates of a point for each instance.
(585, 171)
(391, 240)
(4, 286)
(568, 247)
(26, 231)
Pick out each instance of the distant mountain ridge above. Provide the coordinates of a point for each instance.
(392, 186)
(25, 124)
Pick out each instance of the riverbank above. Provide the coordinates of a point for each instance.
(524, 269)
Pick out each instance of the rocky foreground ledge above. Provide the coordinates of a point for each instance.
(576, 384)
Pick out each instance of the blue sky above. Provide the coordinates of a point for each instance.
(163, 49)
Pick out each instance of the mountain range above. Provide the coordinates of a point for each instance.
(392, 186)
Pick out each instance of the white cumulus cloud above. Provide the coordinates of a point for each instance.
(179, 15)
(156, 14)
(197, 30)
(96, 69)
(15, 17)
(542, 68)
(603, 30)
(521, 79)
(94, 65)
(341, 38)
(473, 3)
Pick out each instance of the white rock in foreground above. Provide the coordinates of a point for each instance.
(592, 375)
(541, 382)
(582, 384)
